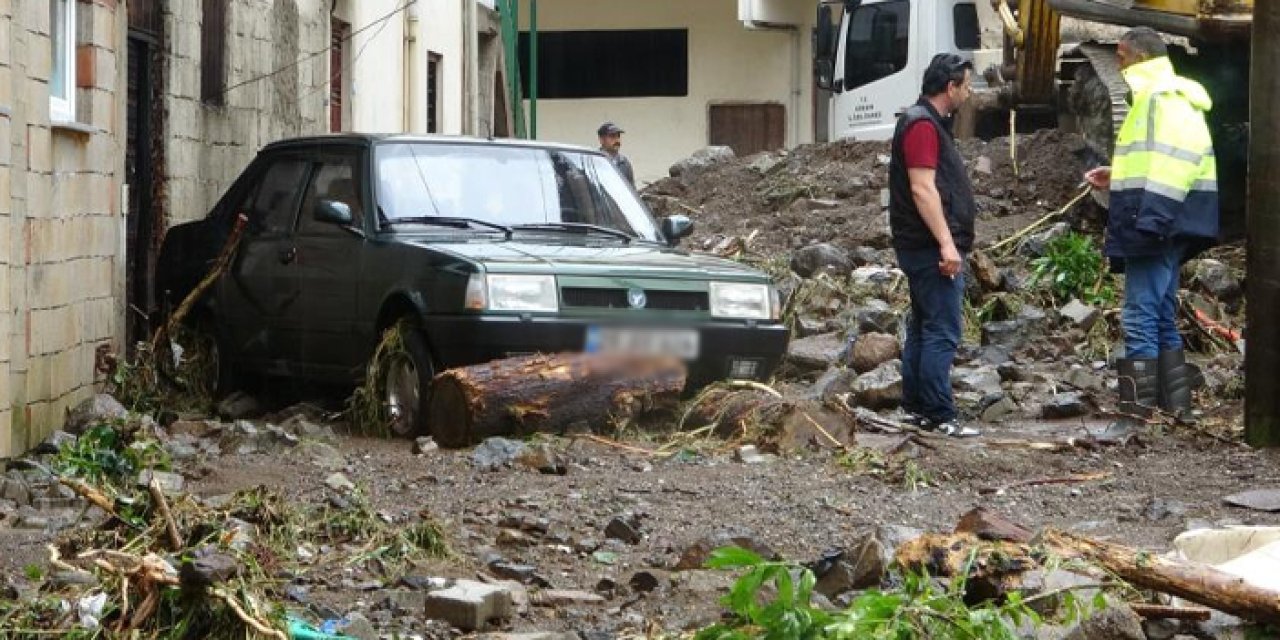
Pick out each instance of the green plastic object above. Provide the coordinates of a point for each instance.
(299, 630)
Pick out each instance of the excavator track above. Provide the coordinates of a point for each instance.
(1099, 96)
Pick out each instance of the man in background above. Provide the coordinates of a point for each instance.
(610, 136)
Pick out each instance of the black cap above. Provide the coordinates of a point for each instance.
(608, 129)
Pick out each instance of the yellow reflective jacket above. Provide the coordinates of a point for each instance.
(1164, 179)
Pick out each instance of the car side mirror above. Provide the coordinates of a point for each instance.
(824, 48)
(334, 211)
(676, 227)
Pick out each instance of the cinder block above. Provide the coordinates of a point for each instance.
(470, 605)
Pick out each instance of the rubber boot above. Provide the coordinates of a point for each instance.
(1176, 379)
(1139, 394)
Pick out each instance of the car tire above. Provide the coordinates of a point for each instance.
(216, 373)
(406, 380)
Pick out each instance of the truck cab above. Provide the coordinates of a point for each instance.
(872, 57)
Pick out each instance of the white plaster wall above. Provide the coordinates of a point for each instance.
(727, 62)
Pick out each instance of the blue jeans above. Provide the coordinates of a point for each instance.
(933, 335)
(1151, 304)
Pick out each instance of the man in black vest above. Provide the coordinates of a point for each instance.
(931, 211)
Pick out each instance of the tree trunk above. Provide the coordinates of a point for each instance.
(548, 393)
(1198, 583)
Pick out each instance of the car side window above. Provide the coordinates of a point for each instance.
(274, 201)
(338, 179)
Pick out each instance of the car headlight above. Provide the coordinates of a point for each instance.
(738, 300)
(503, 292)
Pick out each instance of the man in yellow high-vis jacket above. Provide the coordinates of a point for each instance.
(1164, 209)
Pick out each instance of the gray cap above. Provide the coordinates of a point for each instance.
(608, 129)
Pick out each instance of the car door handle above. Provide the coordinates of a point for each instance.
(288, 255)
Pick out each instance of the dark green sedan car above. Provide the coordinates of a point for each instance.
(484, 248)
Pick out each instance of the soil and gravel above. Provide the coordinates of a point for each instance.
(559, 527)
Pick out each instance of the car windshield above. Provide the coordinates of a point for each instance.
(508, 185)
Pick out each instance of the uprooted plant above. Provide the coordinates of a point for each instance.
(366, 408)
(772, 600)
(1074, 268)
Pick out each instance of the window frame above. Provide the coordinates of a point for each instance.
(63, 109)
(901, 54)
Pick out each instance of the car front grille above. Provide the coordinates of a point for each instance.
(606, 298)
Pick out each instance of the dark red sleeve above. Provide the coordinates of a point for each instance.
(920, 145)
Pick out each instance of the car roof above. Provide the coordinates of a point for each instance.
(369, 139)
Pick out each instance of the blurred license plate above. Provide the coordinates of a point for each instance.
(682, 343)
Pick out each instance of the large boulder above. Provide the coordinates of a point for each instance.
(871, 350)
(815, 354)
(99, 409)
(701, 160)
(880, 388)
(1216, 279)
(821, 258)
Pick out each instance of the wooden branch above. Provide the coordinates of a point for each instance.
(162, 505)
(826, 434)
(223, 261)
(95, 497)
(257, 625)
(1035, 226)
(1164, 612)
(1034, 482)
(1199, 583)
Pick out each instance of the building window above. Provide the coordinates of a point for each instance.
(339, 33)
(213, 40)
(433, 93)
(62, 79)
(609, 64)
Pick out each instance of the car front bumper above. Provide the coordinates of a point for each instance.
(726, 349)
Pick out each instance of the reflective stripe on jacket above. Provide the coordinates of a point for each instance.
(1164, 178)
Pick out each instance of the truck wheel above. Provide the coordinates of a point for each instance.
(406, 379)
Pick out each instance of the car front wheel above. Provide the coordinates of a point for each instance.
(406, 379)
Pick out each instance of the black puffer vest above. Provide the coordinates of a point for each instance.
(908, 228)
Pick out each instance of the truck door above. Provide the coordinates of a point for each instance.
(873, 76)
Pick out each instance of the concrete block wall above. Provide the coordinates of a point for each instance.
(61, 225)
(277, 87)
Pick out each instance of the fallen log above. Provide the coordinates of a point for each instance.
(549, 393)
(1165, 612)
(1197, 583)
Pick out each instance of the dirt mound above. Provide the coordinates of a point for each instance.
(835, 192)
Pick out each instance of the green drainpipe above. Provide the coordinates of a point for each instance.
(533, 69)
(510, 14)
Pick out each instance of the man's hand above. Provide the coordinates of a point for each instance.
(949, 265)
(1099, 178)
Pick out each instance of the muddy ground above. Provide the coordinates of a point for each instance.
(675, 489)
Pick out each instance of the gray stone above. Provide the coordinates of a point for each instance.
(873, 276)
(1116, 622)
(763, 163)
(695, 555)
(820, 258)
(1257, 500)
(170, 483)
(238, 405)
(984, 379)
(985, 272)
(836, 381)
(424, 445)
(320, 454)
(1216, 279)
(357, 626)
(543, 458)
(994, 354)
(496, 452)
(1084, 379)
(876, 315)
(48, 505)
(1160, 508)
(207, 568)
(410, 602)
(871, 350)
(339, 482)
(564, 597)
(55, 442)
(1000, 409)
(748, 454)
(1036, 245)
(72, 579)
(16, 491)
(1080, 314)
(1037, 582)
(470, 605)
(1161, 629)
(880, 388)
(194, 428)
(816, 353)
(864, 256)
(100, 409)
(1064, 405)
(303, 427)
(625, 528)
(701, 160)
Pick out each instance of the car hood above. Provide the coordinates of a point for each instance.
(594, 260)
